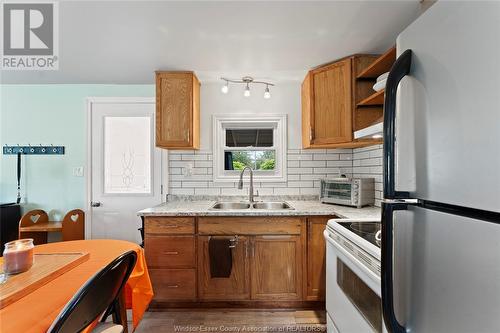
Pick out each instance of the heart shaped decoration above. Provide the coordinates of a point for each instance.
(74, 217)
(34, 218)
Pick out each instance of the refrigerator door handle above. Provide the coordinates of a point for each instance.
(400, 69)
(387, 271)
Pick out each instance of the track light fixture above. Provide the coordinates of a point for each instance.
(247, 80)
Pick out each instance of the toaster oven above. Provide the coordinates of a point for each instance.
(356, 192)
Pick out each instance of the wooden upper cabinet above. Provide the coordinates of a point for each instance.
(329, 111)
(177, 110)
(331, 114)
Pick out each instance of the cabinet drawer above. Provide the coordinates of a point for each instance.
(170, 251)
(173, 284)
(262, 225)
(169, 225)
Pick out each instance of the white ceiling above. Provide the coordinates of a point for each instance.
(124, 42)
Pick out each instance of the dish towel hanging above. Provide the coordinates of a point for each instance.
(221, 257)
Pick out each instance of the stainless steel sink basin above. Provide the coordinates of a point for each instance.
(230, 205)
(272, 205)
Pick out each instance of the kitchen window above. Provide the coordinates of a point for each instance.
(258, 142)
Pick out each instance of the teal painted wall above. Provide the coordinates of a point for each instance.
(50, 114)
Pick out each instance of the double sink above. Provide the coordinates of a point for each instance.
(269, 205)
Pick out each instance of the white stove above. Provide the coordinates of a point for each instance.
(353, 295)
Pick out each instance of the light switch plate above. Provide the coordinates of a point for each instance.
(78, 171)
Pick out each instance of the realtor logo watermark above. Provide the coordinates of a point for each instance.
(30, 36)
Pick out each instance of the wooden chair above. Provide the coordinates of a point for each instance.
(73, 225)
(34, 218)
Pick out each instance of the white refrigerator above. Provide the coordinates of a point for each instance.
(441, 208)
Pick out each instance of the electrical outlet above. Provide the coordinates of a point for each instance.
(188, 170)
(78, 171)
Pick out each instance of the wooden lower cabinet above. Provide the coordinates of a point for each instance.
(173, 284)
(277, 267)
(284, 266)
(316, 258)
(237, 286)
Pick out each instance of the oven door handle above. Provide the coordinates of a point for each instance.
(391, 322)
(341, 252)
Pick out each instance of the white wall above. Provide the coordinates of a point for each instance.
(285, 99)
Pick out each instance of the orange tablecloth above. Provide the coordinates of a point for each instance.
(35, 312)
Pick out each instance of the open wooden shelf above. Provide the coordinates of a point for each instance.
(376, 99)
(380, 66)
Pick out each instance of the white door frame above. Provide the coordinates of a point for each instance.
(88, 162)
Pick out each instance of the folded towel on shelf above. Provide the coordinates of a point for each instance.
(379, 85)
(383, 76)
(221, 257)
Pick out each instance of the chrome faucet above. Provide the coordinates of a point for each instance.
(240, 184)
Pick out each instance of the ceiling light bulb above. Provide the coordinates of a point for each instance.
(225, 88)
(246, 93)
(267, 94)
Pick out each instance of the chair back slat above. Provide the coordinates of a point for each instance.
(73, 225)
(34, 216)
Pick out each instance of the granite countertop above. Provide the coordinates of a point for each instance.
(302, 208)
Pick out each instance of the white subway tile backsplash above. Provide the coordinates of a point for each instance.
(178, 164)
(300, 157)
(342, 163)
(326, 157)
(299, 171)
(305, 168)
(175, 171)
(317, 164)
(207, 191)
(202, 157)
(327, 170)
(309, 191)
(233, 191)
(302, 183)
(203, 164)
(367, 162)
(287, 191)
(194, 184)
(313, 176)
(182, 191)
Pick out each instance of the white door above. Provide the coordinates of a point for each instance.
(125, 167)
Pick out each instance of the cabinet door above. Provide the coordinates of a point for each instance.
(316, 259)
(332, 104)
(306, 100)
(237, 286)
(176, 109)
(277, 267)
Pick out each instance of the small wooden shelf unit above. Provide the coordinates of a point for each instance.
(380, 66)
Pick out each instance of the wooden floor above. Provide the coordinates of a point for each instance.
(232, 321)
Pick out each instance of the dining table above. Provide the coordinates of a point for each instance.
(35, 312)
